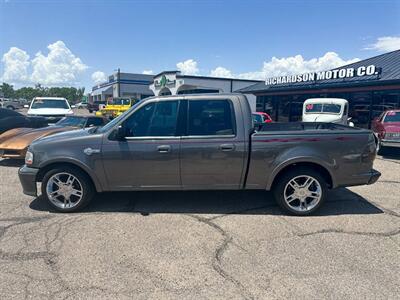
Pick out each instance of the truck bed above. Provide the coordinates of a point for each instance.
(347, 152)
(304, 126)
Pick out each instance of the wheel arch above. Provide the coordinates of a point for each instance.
(321, 169)
(54, 164)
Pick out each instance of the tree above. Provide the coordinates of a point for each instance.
(7, 90)
(27, 93)
(72, 94)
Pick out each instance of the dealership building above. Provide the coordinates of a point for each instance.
(371, 86)
(123, 85)
(175, 83)
(140, 86)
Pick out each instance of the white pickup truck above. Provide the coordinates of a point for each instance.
(330, 110)
(52, 108)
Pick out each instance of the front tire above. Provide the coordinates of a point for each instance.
(300, 191)
(67, 189)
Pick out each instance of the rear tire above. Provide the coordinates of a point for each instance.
(300, 191)
(67, 189)
(10, 107)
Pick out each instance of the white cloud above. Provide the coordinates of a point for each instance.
(99, 77)
(221, 72)
(385, 44)
(188, 67)
(148, 72)
(297, 65)
(16, 63)
(60, 66)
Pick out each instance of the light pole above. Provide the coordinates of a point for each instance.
(118, 82)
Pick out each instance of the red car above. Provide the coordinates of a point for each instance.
(261, 117)
(387, 128)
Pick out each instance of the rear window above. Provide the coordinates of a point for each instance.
(49, 103)
(210, 117)
(121, 102)
(323, 108)
(392, 116)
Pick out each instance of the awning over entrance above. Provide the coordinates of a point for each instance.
(103, 90)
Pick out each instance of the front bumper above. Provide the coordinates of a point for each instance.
(390, 143)
(374, 176)
(27, 177)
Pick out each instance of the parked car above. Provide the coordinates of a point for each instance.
(261, 117)
(387, 129)
(115, 107)
(52, 108)
(200, 142)
(14, 143)
(12, 104)
(81, 105)
(10, 119)
(95, 106)
(333, 110)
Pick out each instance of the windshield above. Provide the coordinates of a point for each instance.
(121, 102)
(72, 121)
(257, 118)
(49, 103)
(318, 108)
(392, 116)
(115, 121)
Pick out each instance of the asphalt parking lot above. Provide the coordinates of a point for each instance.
(202, 245)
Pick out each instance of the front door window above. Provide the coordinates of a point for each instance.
(155, 119)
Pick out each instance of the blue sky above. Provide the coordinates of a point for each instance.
(239, 37)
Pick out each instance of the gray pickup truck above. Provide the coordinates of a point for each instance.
(199, 142)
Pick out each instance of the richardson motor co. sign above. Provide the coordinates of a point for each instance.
(325, 75)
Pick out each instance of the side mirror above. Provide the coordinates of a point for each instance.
(26, 106)
(120, 133)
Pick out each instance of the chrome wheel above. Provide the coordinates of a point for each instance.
(302, 193)
(64, 190)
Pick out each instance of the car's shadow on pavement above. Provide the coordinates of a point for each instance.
(340, 202)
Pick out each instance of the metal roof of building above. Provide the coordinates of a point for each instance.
(389, 63)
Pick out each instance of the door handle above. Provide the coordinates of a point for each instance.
(164, 149)
(227, 147)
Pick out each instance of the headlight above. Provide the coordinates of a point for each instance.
(28, 158)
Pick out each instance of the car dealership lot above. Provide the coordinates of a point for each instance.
(202, 244)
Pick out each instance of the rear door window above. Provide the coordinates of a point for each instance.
(211, 117)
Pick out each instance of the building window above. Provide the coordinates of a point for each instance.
(360, 108)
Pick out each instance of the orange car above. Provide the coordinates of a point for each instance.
(15, 142)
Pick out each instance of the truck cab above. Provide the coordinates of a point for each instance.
(331, 110)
